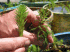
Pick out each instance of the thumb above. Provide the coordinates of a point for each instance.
(32, 37)
(50, 39)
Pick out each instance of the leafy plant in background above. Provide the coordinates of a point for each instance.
(9, 4)
(1, 7)
(38, 0)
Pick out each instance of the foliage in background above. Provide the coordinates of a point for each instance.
(36, 0)
(9, 4)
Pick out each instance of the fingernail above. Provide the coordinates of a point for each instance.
(32, 34)
(27, 42)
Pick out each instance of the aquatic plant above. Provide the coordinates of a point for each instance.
(21, 15)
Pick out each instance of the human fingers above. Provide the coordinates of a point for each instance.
(49, 37)
(31, 17)
(29, 26)
(9, 44)
(34, 40)
(22, 49)
(32, 37)
(36, 23)
(35, 20)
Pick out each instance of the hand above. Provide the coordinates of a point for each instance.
(31, 18)
(8, 28)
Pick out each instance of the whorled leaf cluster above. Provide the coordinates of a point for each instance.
(21, 15)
